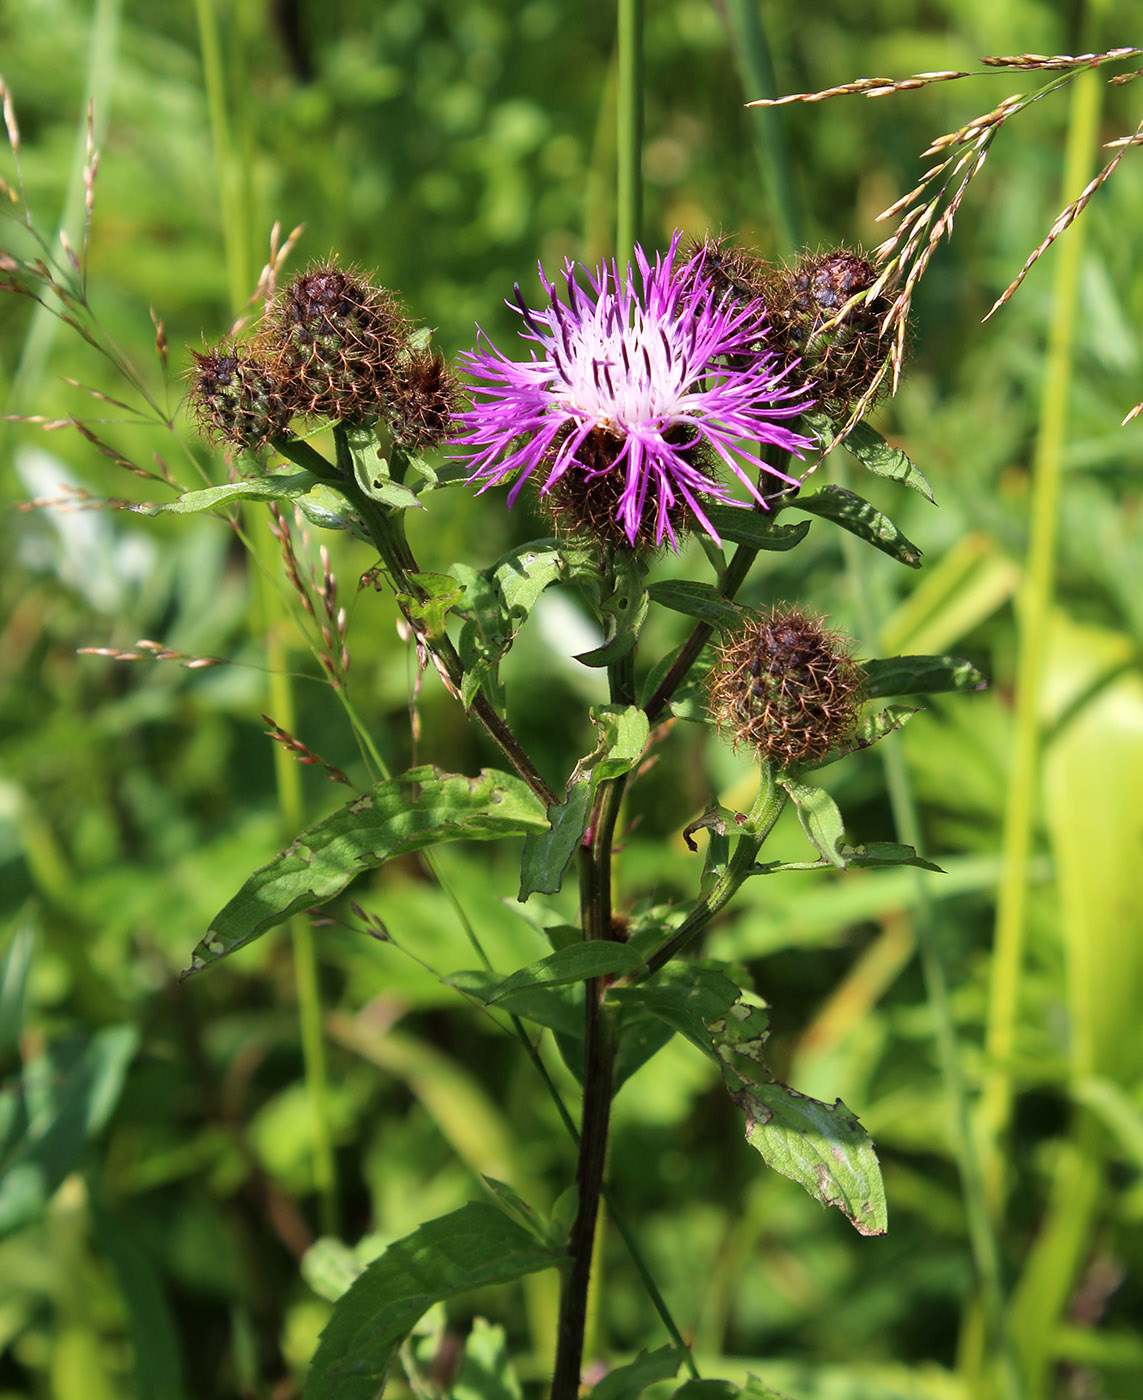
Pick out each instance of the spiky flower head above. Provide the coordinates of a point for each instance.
(649, 382)
(786, 685)
(335, 341)
(845, 358)
(423, 400)
(237, 399)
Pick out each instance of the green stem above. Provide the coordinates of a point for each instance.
(983, 1241)
(752, 53)
(1034, 617)
(629, 133)
(234, 185)
(389, 539)
(599, 1059)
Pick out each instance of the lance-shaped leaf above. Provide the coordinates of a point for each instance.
(579, 963)
(872, 451)
(423, 807)
(870, 855)
(374, 473)
(630, 1381)
(273, 486)
(699, 600)
(820, 818)
(882, 459)
(755, 528)
(920, 675)
(622, 739)
(623, 613)
(473, 1247)
(821, 1146)
(861, 518)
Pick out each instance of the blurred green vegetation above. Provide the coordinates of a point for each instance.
(158, 1187)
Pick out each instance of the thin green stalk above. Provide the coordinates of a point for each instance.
(629, 128)
(752, 54)
(269, 619)
(43, 325)
(983, 1241)
(1033, 621)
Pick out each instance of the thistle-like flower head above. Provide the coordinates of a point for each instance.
(236, 399)
(648, 383)
(786, 685)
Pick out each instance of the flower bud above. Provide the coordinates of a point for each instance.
(424, 399)
(336, 342)
(787, 686)
(845, 358)
(236, 399)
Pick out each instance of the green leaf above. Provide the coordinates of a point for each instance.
(623, 736)
(273, 486)
(424, 807)
(820, 818)
(876, 855)
(516, 1208)
(629, 1381)
(860, 518)
(920, 675)
(623, 613)
(373, 471)
(871, 855)
(822, 1147)
(474, 1247)
(486, 1372)
(755, 528)
(442, 592)
(559, 1009)
(70, 1089)
(700, 600)
(876, 725)
(686, 996)
(882, 459)
(579, 963)
(707, 1390)
(547, 855)
(498, 602)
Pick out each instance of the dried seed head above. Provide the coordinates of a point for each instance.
(237, 399)
(786, 685)
(424, 400)
(843, 356)
(335, 342)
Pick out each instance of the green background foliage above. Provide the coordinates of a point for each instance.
(158, 1185)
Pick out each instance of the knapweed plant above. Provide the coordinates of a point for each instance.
(686, 396)
(666, 411)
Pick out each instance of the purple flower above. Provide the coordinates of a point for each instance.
(655, 383)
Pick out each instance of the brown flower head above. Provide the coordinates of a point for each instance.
(336, 342)
(424, 399)
(786, 685)
(843, 359)
(237, 399)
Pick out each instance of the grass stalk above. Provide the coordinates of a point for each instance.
(1033, 621)
(269, 613)
(756, 69)
(983, 1238)
(629, 129)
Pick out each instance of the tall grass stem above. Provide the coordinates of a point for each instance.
(269, 612)
(1033, 621)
